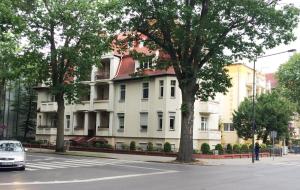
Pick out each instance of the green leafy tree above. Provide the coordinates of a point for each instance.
(64, 41)
(272, 113)
(219, 148)
(195, 35)
(289, 79)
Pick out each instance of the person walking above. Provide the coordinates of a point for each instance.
(256, 149)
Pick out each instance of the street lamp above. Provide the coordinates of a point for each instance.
(253, 96)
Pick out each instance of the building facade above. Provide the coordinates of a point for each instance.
(242, 87)
(120, 107)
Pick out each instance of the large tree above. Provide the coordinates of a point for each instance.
(288, 77)
(273, 113)
(201, 37)
(62, 41)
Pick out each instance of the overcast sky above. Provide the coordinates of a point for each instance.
(271, 64)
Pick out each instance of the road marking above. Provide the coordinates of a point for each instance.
(38, 166)
(86, 180)
(141, 167)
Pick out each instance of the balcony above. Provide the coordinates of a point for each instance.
(83, 106)
(48, 107)
(102, 75)
(102, 131)
(211, 135)
(208, 107)
(46, 130)
(101, 104)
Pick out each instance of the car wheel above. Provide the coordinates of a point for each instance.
(22, 168)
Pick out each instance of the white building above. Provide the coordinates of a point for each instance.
(121, 108)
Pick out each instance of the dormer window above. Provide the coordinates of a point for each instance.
(146, 64)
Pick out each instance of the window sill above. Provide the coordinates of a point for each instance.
(121, 101)
(120, 130)
(159, 129)
(173, 97)
(144, 99)
(172, 129)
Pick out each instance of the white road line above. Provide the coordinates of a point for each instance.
(85, 180)
(141, 167)
(30, 169)
(49, 165)
(37, 166)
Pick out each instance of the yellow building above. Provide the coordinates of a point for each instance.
(242, 87)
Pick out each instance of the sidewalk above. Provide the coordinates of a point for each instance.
(146, 158)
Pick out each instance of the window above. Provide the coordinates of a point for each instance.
(204, 124)
(122, 92)
(40, 120)
(173, 85)
(146, 64)
(228, 127)
(160, 121)
(161, 88)
(121, 122)
(68, 121)
(172, 121)
(143, 146)
(144, 121)
(145, 90)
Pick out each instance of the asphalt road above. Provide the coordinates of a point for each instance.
(53, 172)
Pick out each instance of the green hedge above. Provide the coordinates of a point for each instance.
(205, 148)
(167, 147)
(220, 148)
(229, 149)
(132, 146)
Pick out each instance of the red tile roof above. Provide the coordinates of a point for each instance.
(272, 79)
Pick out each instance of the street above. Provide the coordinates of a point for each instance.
(52, 172)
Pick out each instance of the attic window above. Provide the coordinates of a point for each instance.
(146, 64)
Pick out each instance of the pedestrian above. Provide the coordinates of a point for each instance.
(256, 148)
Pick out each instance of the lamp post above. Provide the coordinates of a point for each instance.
(253, 96)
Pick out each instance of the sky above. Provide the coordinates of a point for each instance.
(272, 63)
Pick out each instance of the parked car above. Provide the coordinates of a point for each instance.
(12, 154)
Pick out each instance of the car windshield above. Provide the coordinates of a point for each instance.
(11, 147)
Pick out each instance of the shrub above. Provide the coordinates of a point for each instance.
(250, 148)
(205, 148)
(132, 146)
(263, 148)
(244, 148)
(195, 151)
(167, 147)
(219, 148)
(229, 149)
(236, 148)
(150, 146)
(125, 146)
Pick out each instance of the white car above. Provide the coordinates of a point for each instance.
(12, 154)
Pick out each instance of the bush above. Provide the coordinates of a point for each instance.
(167, 147)
(103, 145)
(205, 148)
(219, 148)
(195, 151)
(150, 146)
(250, 148)
(244, 148)
(263, 148)
(229, 149)
(132, 146)
(125, 146)
(236, 148)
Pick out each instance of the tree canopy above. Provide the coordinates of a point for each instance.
(288, 77)
(201, 37)
(272, 113)
(62, 42)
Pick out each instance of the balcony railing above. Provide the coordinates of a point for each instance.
(48, 107)
(102, 75)
(208, 107)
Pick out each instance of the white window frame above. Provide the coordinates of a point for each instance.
(144, 121)
(121, 122)
(122, 91)
(228, 127)
(145, 88)
(68, 121)
(204, 123)
(161, 88)
(160, 119)
(172, 116)
(173, 88)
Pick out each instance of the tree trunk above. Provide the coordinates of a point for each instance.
(60, 124)
(185, 153)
